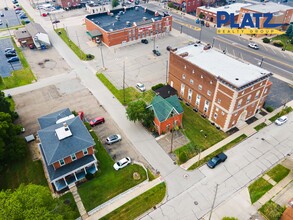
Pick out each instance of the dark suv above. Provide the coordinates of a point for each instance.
(216, 160)
(157, 53)
(144, 41)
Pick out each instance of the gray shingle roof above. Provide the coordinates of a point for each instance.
(51, 119)
(55, 149)
(34, 28)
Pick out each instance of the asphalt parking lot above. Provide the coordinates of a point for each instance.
(71, 94)
(9, 18)
(5, 67)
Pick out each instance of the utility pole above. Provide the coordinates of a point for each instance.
(260, 63)
(102, 57)
(124, 101)
(172, 131)
(214, 202)
(213, 42)
(166, 71)
(181, 29)
(7, 26)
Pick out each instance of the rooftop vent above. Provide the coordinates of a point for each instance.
(185, 54)
(144, 18)
(110, 29)
(65, 119)
(128, 23)
(63, 132)
(136, 8)
(117, 17)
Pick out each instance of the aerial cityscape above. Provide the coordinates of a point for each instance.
(152, 110)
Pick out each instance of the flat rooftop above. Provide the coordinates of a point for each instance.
(233, 8)
(220, 65)
(268, 7)
(133, 14)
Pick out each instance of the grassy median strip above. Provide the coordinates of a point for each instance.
(224, 148)
(64, 36)
(108, 182)
(131, 94)
(260, 126)
(272, 210)
(284, 111)
(138, 205)
(258, 188)
(278, 173)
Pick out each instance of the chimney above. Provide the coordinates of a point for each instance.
(185, 54)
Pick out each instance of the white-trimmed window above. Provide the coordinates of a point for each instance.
(201, 76)
(209, 93)
(248, 99)
(183, 76)
(217, 109)
(257, 94)
(200, 87)
(215, 115)
(252, 87)
(266, 90)
(73, 157)
(206, 106)
(236, 114)
(189, 97)
(85, 152)
(239, 103)
(211, 82)
(197, 102)
(219, 101)
(253, 104)
(243, 92)
(191, 81)
(233, 122)
(223, 113)
(61, 162)
(182, 89)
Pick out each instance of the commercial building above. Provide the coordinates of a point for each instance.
(187, 5)
(124, 25)
(67, 149)
(282, 14)
(68, 4)
(225, 90)
(210, 13)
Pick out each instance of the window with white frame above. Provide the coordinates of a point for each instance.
(243, 93)
(171, 84)
(223, 113)
(201, 76)
(215, 115)
(183, 76)
(257, 94)
(266, 90)
(182, 89)
(85, 152)
(233, 122)
(252, 87)
(191, 81)
(189, 97)
(239, 103)
(206, 106)
(197, 101)
(248, 99)
(200, 87)
(209, 93)
(236, 113)
(219, 101)
(61, 162)
(73, 157)
(217, 109)
(211, 82)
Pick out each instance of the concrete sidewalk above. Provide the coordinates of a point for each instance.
(248, 130)
(121, 199)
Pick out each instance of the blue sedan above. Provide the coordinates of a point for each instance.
(216, 160)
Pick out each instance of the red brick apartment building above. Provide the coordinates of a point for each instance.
(227, 91)
(128, 24)
(187, 5)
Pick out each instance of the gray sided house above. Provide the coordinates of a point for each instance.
(67, 148)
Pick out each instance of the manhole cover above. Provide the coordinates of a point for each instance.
(185, 176)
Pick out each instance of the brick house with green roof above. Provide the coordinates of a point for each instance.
(168, 113)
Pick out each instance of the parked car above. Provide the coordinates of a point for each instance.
(216, 160)
(253, 46)
(122, 163)
(23, 16)
(18, 9)
(18, 12)
(98, 41)
(157, 53)
(9, 54)
(96, 121)
(45, 14)
(11, 50)
(113, 139)
(13, 59)
(1, 14)
(281, 120)
(55, 22)
(140, 87)
(31, 46)
(144, 41)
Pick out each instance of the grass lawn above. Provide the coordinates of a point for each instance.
(258, 188)
(284, 39)
(108, 182)
(20, 77)
(131, 94)
(278, 173)
(138, 205)
(25, 171)
(284, 111)
(260, 126)
(72, 45)
(272, 210)
(69, 200)
(224, 148)
(193, 124)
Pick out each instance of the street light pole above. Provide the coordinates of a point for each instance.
(166, 71)
(213, 42)
(102, 57)
(260, 63)
(124, 101)
(213, 202)
(172, 131)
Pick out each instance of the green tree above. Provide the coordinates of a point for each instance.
(32, 202)
(115, 3)
(201, 15)
(138, 111)
(289, 31)
(5, 106)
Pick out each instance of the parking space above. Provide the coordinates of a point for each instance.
(9, 18)
(5, 67)
(71, 94)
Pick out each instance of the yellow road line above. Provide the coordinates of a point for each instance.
(188, 25)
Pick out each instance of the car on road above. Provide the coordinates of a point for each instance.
(1, 14)
(10, 54)
(113, 139)
(281, 120)
(122, 163)
(44, 14)
(140, 87)
(55, 22)
(157, 53)
(144, 41)
(97, 121)
(11, 50)
(13, 59)
(216, 160)
(23, 16)
(253, 46)
(18, 9)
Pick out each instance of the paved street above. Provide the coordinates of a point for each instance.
(190, 194)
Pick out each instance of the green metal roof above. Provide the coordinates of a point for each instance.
(163, 107)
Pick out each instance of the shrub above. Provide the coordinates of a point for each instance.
(269, 108)
(266, 40)
(89, 176)
(229, 218)
(278, 43)
(182, 157)
(160, 85)
(90, 56)
(170, 5)
(23, 22)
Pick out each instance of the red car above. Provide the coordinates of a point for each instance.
(18, 9)
(44, 14)
(96, 121)
(81, 115)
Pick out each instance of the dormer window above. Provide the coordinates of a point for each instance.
(61, 162)
(73, 157)
(85, 152)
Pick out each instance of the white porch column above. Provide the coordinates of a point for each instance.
(75, 176)
(96, 166)
(65, 181)
(84, 170)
